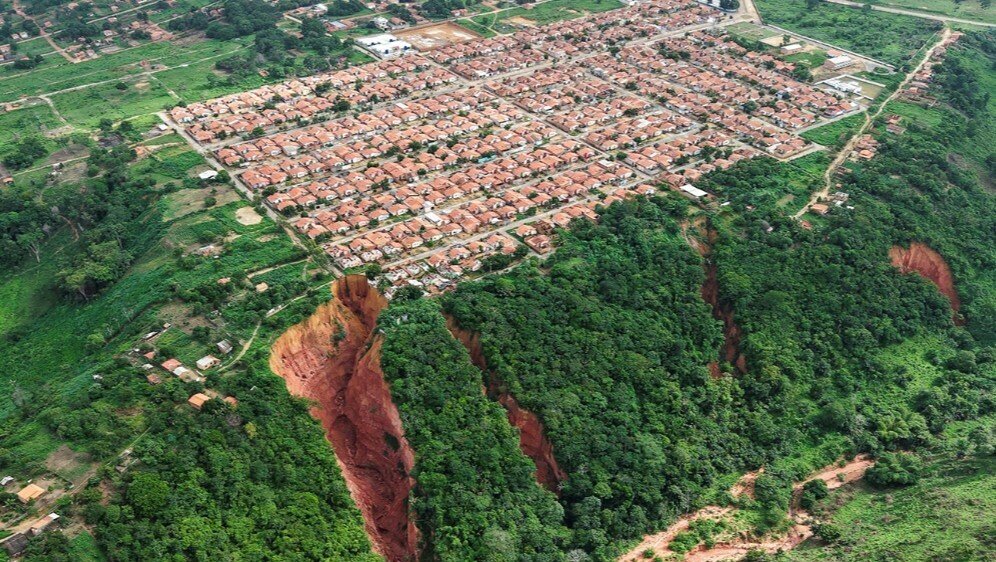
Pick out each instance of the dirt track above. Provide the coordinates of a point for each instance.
(741, 545)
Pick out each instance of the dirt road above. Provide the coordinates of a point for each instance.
(869, 119)
(914, 13)
(833, 475)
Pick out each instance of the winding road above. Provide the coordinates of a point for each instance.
(869, 119)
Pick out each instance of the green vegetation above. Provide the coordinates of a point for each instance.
(541, 14)
(265, 464)
(836, 134)
(945, 516)
(112, 67)
(85, 108)
(978, 10)
(891, 38)
(482, 29)
(478, 500)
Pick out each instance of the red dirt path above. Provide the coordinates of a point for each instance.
(741, 545)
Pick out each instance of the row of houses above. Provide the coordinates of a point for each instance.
(597, 32)
(401, 240)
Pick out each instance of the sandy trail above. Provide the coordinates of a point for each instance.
(834, 476)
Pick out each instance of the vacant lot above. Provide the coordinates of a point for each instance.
(86, 107)
(966, 9)
(117, 66)
(37, 119)
(548, 12)
(438, 35)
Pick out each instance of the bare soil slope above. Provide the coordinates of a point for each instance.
(332, 359)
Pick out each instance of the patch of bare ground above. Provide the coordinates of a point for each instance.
(735, 546)
(248, 216)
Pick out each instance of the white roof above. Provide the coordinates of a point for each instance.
(372, 40)
(840, 59)
(693, 191)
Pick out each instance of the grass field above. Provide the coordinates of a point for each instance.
(811, 59)
(835, 134)
(967, 9)
(86, 107)
(37, 118)
(477, 28)
(891, 38)
(946, 516)
(115, 66)
(541, 14)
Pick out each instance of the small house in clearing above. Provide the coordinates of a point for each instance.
(30, 492)
(207, 362)
(44, 523)
(198, 400)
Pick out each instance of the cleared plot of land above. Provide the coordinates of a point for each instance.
(181, 203)
(835, 134)
(548, 12)
(248, 216)
(433, 36)
(201, 81)
(891, 38)
(85, 108)
(37, 119)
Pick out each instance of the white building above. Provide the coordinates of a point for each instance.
(836, 63)
(384, 45)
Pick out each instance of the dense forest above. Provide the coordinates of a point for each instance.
(475, 497)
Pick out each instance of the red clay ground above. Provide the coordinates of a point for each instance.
(924, 261)
(355, 408)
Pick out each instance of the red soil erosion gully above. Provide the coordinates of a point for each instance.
(342, 375)
(924, 261)
(353, 402)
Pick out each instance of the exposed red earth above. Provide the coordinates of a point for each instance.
(737, 546)
(924, 261)
(342, 375)
(532, 439)
(730, 351)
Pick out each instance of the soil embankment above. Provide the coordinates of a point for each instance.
(735, 547)
(532, 439)
(924, 261)
(333, 359)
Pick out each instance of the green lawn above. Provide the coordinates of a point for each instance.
(812, 59)
(85, 108)
(891, 38)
